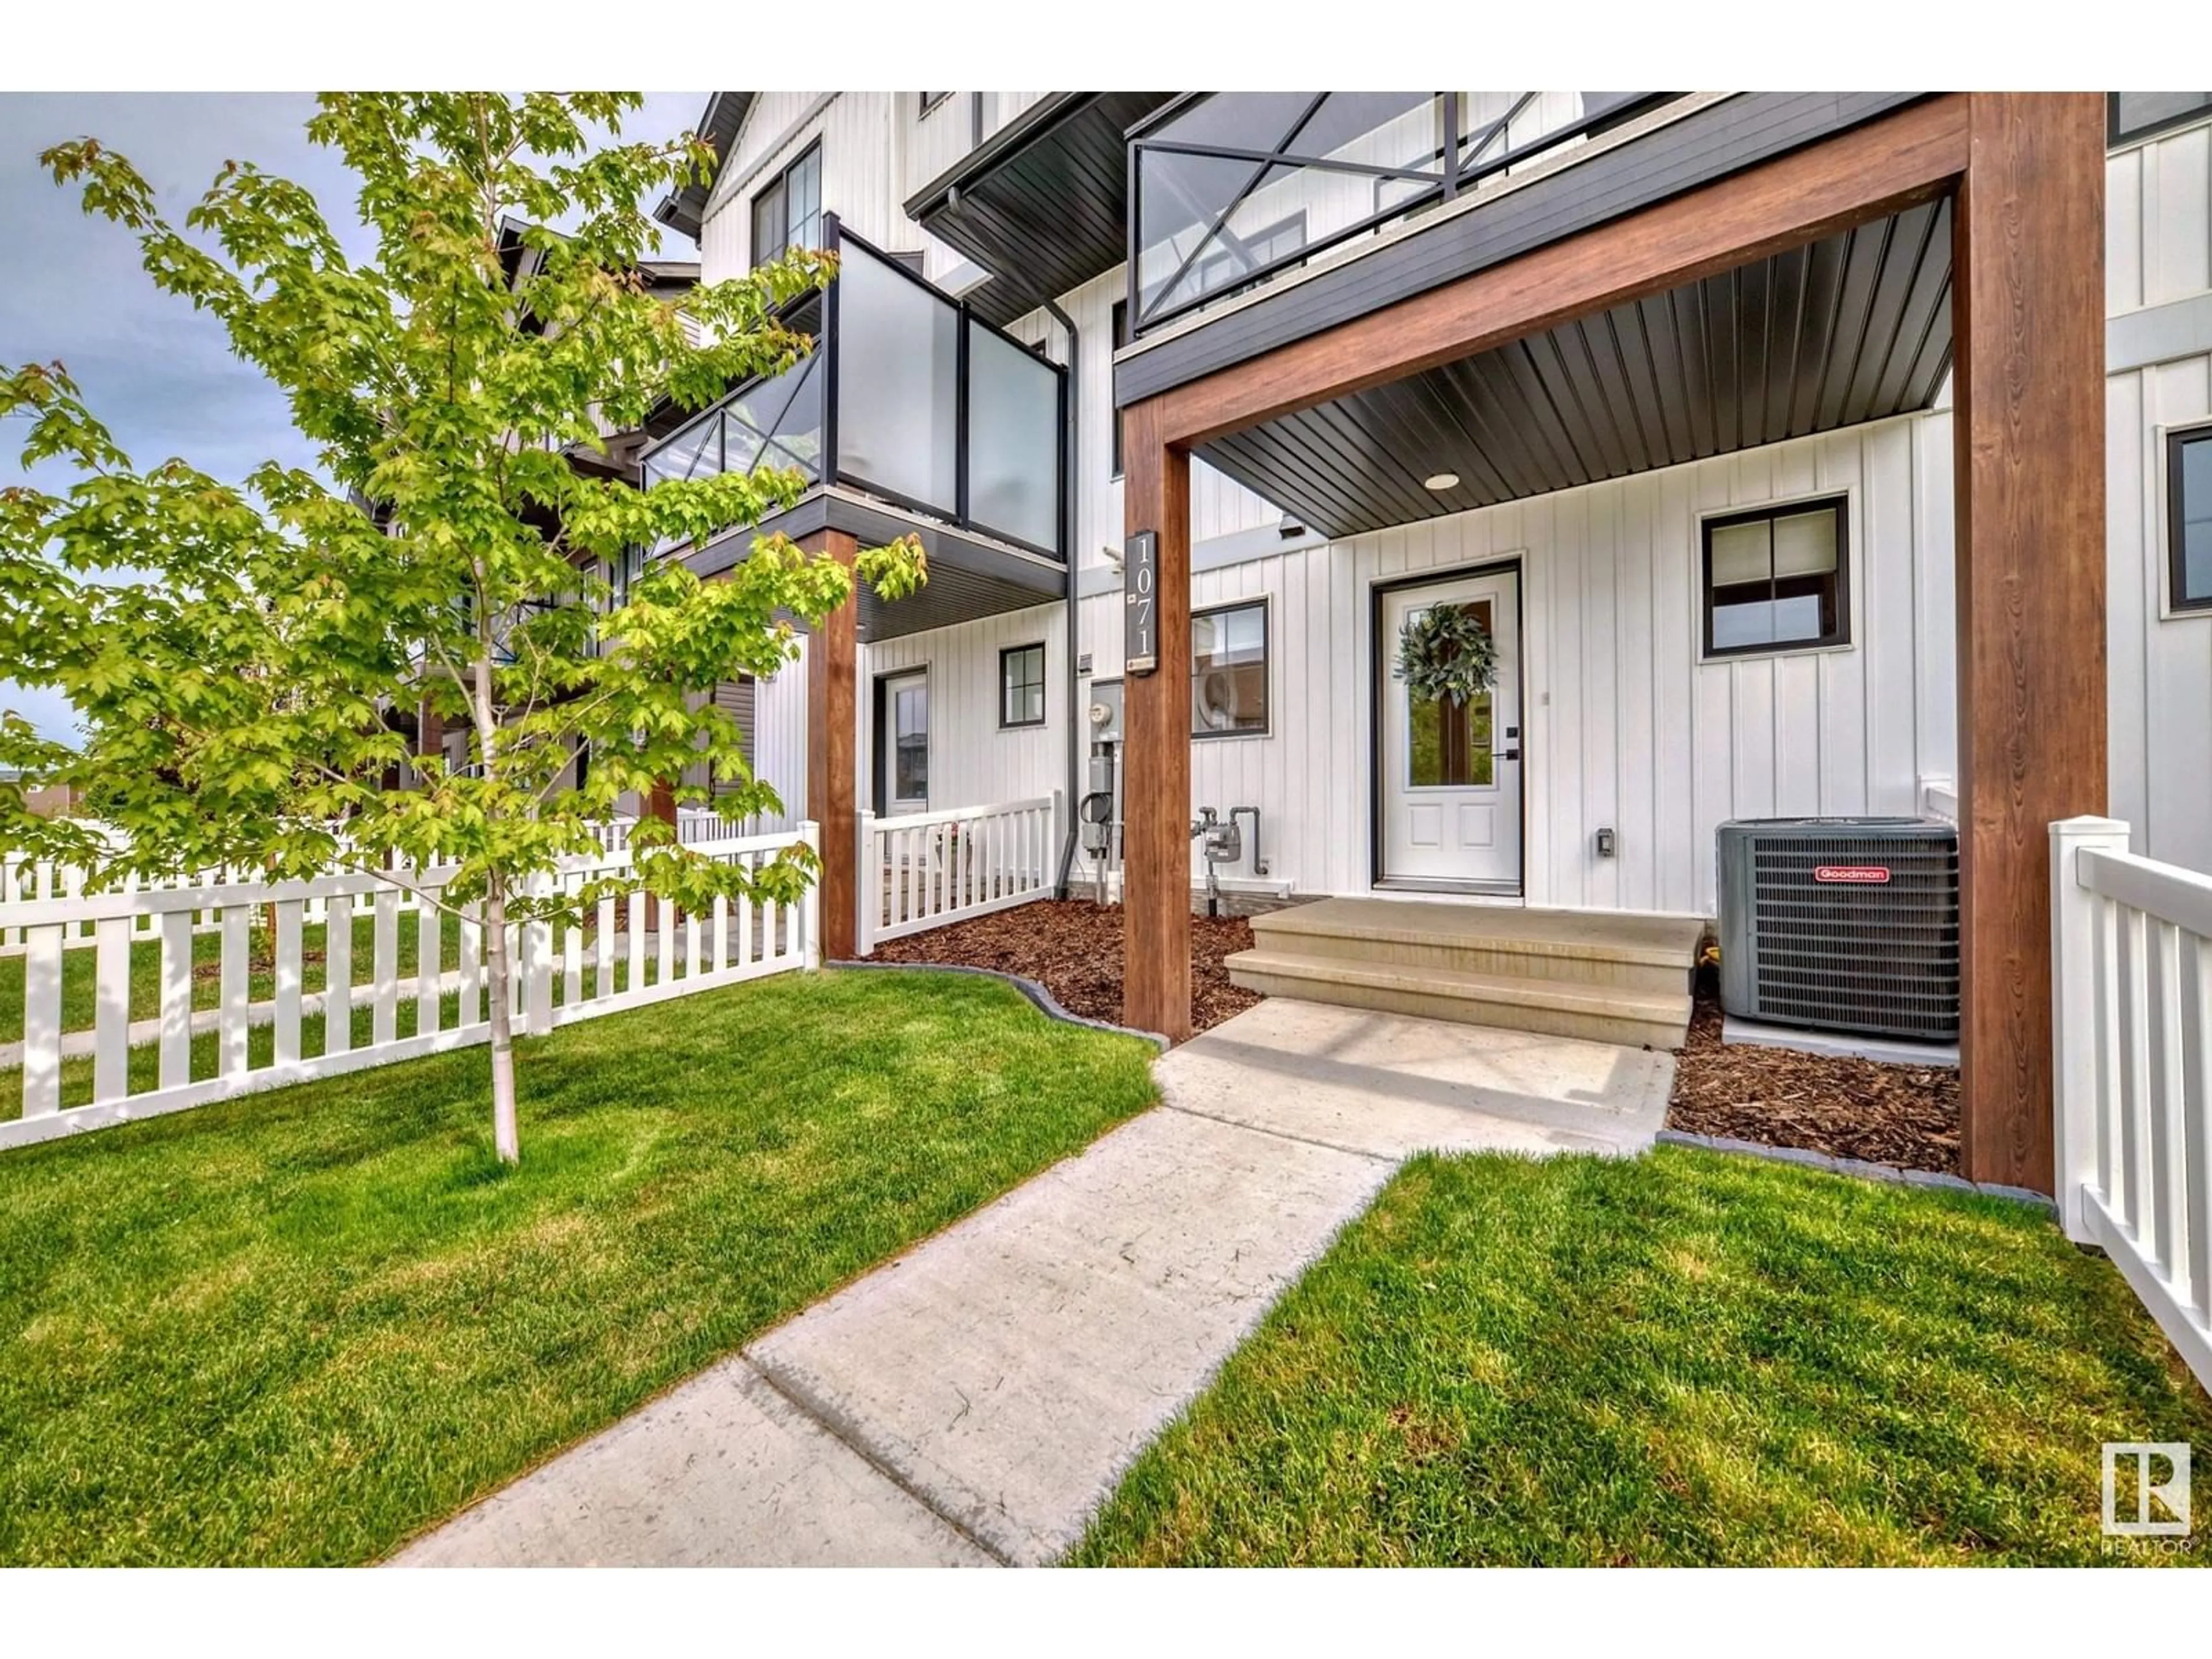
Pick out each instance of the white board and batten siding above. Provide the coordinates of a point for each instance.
(2158, 220)
(877, 149)
(780, 740)
(1625, 726)
(971, 758)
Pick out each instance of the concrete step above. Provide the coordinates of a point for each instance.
(1596, 1014)
(1581, 947)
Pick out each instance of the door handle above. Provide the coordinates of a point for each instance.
(1509, 754)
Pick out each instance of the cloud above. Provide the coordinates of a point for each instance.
(160, 374)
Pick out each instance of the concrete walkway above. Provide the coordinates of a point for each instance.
(972, 1401)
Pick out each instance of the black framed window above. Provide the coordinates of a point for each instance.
(2130, 115)
(1229, 671)
(1776, 578)
(1021, 685)
(787, 209)
(1121, 327)
(2189, 518)
(929, 101)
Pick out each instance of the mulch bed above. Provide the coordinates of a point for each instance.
(1073, 947)
(1905, 1115)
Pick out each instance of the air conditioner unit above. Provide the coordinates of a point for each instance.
(1842, 924)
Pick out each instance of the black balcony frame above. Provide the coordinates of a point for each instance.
(1439, 182)
(828, 355)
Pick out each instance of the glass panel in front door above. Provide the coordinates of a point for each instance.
(1447, 743)
(910, 755)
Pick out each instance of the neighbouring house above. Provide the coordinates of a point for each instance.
(48, 800)
(1803, 453)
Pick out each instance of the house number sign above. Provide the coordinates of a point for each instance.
(1141, 634)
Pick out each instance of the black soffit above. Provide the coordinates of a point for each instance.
(968, 578)
(1854, 328)
(1042, 203)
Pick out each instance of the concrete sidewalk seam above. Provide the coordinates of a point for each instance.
(1280, 1134)
(848, 1436)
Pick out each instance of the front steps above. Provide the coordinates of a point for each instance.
(1606, 976)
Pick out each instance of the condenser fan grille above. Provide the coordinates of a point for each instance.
(1850, 930)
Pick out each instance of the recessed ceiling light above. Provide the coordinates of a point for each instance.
(1441, 481)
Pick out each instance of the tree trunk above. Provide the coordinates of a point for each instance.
(499, 976)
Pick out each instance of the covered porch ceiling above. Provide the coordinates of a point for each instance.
(1853, 327)
(1042, 203)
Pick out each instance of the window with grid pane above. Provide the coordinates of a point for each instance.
(1775, 580)
(1021, 685)
(787, 209)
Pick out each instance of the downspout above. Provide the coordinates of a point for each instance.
(1070, 471)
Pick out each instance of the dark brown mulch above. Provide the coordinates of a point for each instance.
(1073, 947)
(1906, 1115)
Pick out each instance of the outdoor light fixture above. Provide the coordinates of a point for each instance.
(1441, 481)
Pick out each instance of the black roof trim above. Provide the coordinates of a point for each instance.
(719, 123)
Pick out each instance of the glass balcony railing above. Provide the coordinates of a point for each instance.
(1227, 189)
(908, 397)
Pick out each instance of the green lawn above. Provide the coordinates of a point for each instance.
(303, 1325)
(1685, 1359)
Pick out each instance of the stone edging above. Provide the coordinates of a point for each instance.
(1856, 1167)
(1036, 992)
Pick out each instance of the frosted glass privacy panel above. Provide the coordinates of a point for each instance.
(897, 383)
(1013, 442)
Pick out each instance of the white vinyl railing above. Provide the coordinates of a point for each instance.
(2132, 1025)
(622, 958)
(923, 869)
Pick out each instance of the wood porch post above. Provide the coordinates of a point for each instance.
(661, 803)
(430, 731)
(1156, 776)
(2028, 332)
(833, 656)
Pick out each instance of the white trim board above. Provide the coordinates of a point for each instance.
(2158, 334)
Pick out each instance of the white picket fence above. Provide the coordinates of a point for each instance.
(561, 975)
(2131, 1021)
(923, 869)
(25, 879)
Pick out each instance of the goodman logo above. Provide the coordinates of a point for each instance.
(1867, 874)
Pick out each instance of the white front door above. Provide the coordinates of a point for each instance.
(904, 737)
(1451, 774)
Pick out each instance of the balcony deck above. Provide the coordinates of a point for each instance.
(912, 416)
